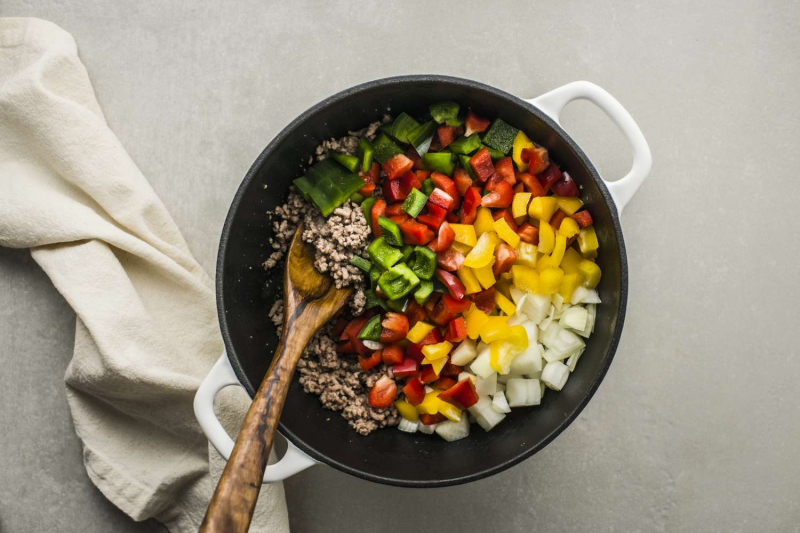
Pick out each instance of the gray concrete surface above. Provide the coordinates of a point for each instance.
(696, 426)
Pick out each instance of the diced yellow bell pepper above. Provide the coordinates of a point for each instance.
(518, 337)
(547, 238)
(550, 280)
(519, 206)
(568, 285)
(505, 232)
(468, 278)
(525, 278)
(449, 410)
(465, 234)
(571, 260)
(521, 142)
(504, 284)
(483, 252)
(436, 351)
(502, 352)
(526, 254)
(587, 241)
(476, 319)
(437, 364)
(419, 331)
(569, 204)
(430, 404)
(485, 275)
(544, 262)
(496, 328)
(568, 228)
(590, 273)
(542, 208)
(483, 221)
(505, 305)
(559, 250)
(461, 247)
(406, 410)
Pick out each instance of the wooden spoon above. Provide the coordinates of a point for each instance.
(310, 299)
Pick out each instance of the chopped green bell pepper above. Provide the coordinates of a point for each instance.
(407, 251)
(398, 281)
(385, 148)
(382, 254)
(414, 202)
(371, 331)
(438, 162)
(423, 292)
(398, 305)
(374, 274)
(494, 154)
(500, 136)
(357, 197)
(331, 184)
(446, 113)
(402, 126)
(361, 263)
(422, 136)
(366, 208)
(304, 186)
(427, 187)
(350, 162)
(390, 231)
(464, 160)
(466, 145)
(372, 300)
(424, 262)
(365, 152)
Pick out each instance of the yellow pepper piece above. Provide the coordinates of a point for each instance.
(483, 221)
(568, 285)
(505, 232)
(521, 142)
(547, 238)
(476, 320)
(437, 364)
(590, 273)
(525, 278)
(419, 331)
(518, 337)
(406, 410)
(568, 204)
(483, 252)
(542, 208)
(571, 260)
(461, 247)
(505, 305)
(587, 241)
(430, 404)
(504, 284)
(568, 228)
(519, 205)
(559, 250)
(550, 280)
(495, 331)
(526, 254)
(485, 275)
(436, 351)
(502, 352)
(449, 410)
(465, 234)
(468, 278)
(545, 262)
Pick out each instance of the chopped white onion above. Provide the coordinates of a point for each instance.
(518, 319)
(501, 387)
(578, 295)
(467, 375)
(555, 375)
(372, 345)
(523, 392)
(500, 404)
(516, 294)
(562, 346)
(573, 359)
(408, 426)
(591, 297)
(575, 318)
(550, 333)
(486, 386)
(428, 430)
(503, 378)
(452, 431)
(485, 415)
(528, 362)
(465, 353)
(536, 307)
(558, 301)
(533, 332)
(480, 366)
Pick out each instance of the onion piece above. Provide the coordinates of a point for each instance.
(465, 353)
(428, 430)
(500, 404)
(486, 386)
(516, 295)
(555, 375)
(528, 362)
(481, 366)
(523, 392)
(572, 361)
(591, 297)
(503, 378)
(485, 415)
(535, 307)
(408, 426)
(591, 309)
(574, 318)
(452, 431)
(467, 375)
(372, 345)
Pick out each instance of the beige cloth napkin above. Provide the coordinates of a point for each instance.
(147, 330)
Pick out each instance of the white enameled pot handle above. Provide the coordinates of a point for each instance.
(222, 376)
(553, 102)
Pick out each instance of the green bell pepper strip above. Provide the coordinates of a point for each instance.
(465, 145)
(350, 162)
(446, 112)
(374, 274)
(304, 186)
(361, 263)
(391, 231)
(366, 208)
(398, 305)
(500, 136)
(422, 136)
(424, 262)
(407, 251)
(402, 126)
(365, 152)
(438, 162)
(427, 187)
(397, 281)
(494, 154)
(464, 160)
(382, 253)
(371, 330)
(423, 292)
(372, 300)
(415, 201)
(385, 148)
(357, 197)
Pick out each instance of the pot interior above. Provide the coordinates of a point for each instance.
(245, 292)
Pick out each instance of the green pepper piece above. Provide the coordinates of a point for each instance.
(415, 201)
(350, 162)
(446, 112)
(391, 231)
(326, 196)
(424, 262)
(371, 331)
(422, 136)
(398, 281)
(304, 186)
(361, 263)
(402, 126)
(438, 162)
(374, 274)
(366, 208)
(371, 299)
(427, 187)
(382, 254)
(365, 152)
(500, 136)
(464, 160)
(423, 292)
(385, 148)
(465, 145)
(357, 197)
(398, 305)
(407, 251)
(494, 154)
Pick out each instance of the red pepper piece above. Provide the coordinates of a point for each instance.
(450, 260)
(443, 239)
(393, 191)
(447, 185)
(414, 351)
(392, 354)
(443, 383)
(469, 210)
(422, 175)
(414, 391)
(414, 156)
(501, 196)
(338, 327)
(450, 370)
(504, 259)
(442, 199)
(434, 217)
(462, 180)
(519, 187)
(351, 332)
(475, 124)
(415, 233)
(456, 330)
(463, 394)
(406, 368)
(409, 181)
(505, 169)
(484, 300)
(549, 176)
(506, 214)
(429, 420)
(343, 347)
(383, 393)
(397, 165)
(395, 327)
(378, 210)
(370, 360)
(481, 164)
(446, 134)
(453, 284)
(428, 375)
(434, 337)
(532, 185)
(448, 308)
(368, 188)
(565, 186)
(583, 218)
(528, 233)
(394, 209)
(415, 312)
(557, 218)
(537, 159)
(432, 301)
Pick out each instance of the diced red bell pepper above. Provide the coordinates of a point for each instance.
(422, 175)
(432, 301)
(450, 260)
(450, 370)
(434, 217)
(415, 233)
(370, 360)
(469, 209)
(442, 199)
(501, 196)
(415, 312)
(414, 156)
(414, 351)
(397, 165)
(368, 188)
(448, 308)
(338, 327)
(583, 218)
(378, 210)
(392, 354)
(443, 383)
(481, 164)
(434, 337)
(565, 186)
(506, 214)
(475, 124)
(395, 327)
(532, 185)
(557, 218)
(505, 169)
(409, 181)
(537, 159)
(453, 284)
(456, 330)
(549, 176)
(491, 184)
(436, 146)
(343, 347)
(462, 180)
(414, 390)
(463, 394)
(430, 420)
(519, 187)
(398, 219)
(393, 191)
(528, 233)
(394, 209)
(484, 300)
(504, 259)
(383, 393)
(447, 185)
(446, 134)
(444, 238)
(406, 368)
(375, 172)
(428, 375)
(452, 218)
(351, 332)
(571, 240)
